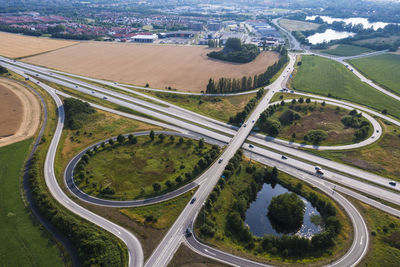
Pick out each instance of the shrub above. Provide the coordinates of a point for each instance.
(316, 136)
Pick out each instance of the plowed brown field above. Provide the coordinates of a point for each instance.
(186, 68)
(20, 112)
(15, 45)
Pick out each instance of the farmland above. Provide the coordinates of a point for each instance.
(383, 69)
(22, 243)
(23, 112)
(185, 68)
(297, 25)
(16, 46)
(346, 50)
(323, 76)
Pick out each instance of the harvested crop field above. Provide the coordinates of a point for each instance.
(20, 112)
(185, 68)
(297, 25)
(16, 46)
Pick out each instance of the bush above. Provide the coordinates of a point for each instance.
(76, 113)
(316, 136)
(156, 187)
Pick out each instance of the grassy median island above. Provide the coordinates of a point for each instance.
(346, 50)
(380, 157)
(22, 242)
(385, 237)
(143, 166)
(307, 122)
(221, 221)
(326, 77)
(220, 108)
(383, 69)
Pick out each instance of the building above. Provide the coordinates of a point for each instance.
(144, 38)
(178, 34)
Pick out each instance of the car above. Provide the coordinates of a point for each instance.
(392, 183)
(244, 125)
(37, 75)
(251, 146)
(193, 200)
(377, 131)
(220, 160)
(319, 172)
(372, 137)
(292, 91)
(76, 86)
(27, 79)
(283, 157)
(104, 97)
(92, 92)
(253, 121)
(188, 232)
(317, 168)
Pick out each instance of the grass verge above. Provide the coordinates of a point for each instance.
(346, 50)
(384, 230)
(23, 242)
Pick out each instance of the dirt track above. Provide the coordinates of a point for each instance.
(15, 45)
(186, 68)
(20, 112)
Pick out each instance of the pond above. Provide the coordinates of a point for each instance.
(366, 24)
(328, 36)
(260, 225)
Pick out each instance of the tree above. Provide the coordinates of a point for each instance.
(301, 100)
(178, 179)
(384, 111)
(316, 136)
(172, 138)
(234, 43)
(3, 70)
(323, 103)
(132, 139)
(287, 210)
(152, 135)
(156, 187)
(180, 142)
(169, 184)
(161, 137)
(308, 100)
(120, 138)
(111, 141)
(201, 143)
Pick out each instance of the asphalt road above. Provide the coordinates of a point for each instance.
(132, 243)
(162, 254)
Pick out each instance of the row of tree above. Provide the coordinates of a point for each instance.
(94, 247)
(232, 85)
(240, 117)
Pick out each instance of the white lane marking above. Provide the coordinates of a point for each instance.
(209, 252)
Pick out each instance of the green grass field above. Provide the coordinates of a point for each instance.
(132, 169)
(325, 118)
(323, 76)
(385, 233)
(164, 214)
(383, 69)
(22, 242)
(346, 50)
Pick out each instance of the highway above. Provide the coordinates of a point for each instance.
(183, 120)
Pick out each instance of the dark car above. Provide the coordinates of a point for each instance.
(193, 200)
(392, 183)
(284, 157)
(220, 160)
(188, 232)
(251, 146)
